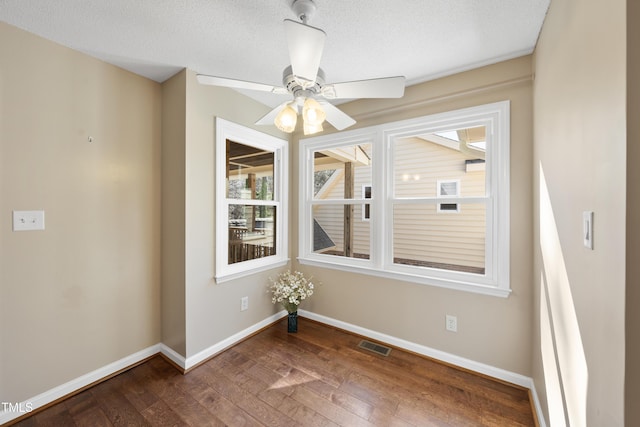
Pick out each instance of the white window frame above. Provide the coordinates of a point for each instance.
(447, 196)
(495, 280)
(226, 130)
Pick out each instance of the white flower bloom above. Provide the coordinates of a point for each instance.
(290, 288)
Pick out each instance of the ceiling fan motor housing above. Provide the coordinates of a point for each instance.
(300, 88)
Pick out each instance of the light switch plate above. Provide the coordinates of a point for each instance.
(28, 220)
(587, 229)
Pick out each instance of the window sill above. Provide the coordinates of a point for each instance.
(478, 288)
(223, 278)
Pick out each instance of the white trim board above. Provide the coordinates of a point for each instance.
(127, 362)
(76, 384)
(187, 363)
(205, 354)
(491, 371)
(99, 374)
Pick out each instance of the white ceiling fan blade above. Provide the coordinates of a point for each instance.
(305, 48)
(268, 118)
(387, 87)
(238, 84)
(337, 117)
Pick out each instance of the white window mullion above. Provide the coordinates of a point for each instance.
(305, 213)
(384, 229)
(378, 194)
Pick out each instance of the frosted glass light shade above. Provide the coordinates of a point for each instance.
(286, 119)
(312, 112)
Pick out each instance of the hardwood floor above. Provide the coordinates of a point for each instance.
(317, 377)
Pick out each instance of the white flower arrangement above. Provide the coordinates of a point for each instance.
(290, 289)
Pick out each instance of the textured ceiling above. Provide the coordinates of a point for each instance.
(420, 39)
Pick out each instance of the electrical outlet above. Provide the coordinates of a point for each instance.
(244, 303)
(451, 323)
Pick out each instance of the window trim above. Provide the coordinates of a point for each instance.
(495, 281)
(228, 130)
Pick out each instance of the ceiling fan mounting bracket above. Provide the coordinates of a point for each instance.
(304, 9)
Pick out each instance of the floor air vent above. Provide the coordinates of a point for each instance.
(376, 348)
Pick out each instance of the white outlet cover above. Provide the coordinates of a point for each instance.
(28, 220)
(451, 323)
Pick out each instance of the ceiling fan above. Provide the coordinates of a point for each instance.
(305, 81)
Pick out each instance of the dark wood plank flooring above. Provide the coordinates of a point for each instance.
(317, 377)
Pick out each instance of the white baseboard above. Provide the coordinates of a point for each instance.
(173, 355)
(22, 408)
(76, 384)
(101, 373)
(536, 405)
(203, 355)
(452, 359)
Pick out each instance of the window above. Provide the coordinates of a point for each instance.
(433, 206)
(338, 225)
(251, 171)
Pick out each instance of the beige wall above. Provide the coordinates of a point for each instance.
(579, 165)
(213, 310)
(491, 330)
(173, 307)
(85, 292)
(632, 339)
(198, 313)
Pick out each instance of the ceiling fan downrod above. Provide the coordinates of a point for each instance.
(304, 9)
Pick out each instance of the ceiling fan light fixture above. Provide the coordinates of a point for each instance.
(312, 112)
(286, 119)
(310, 129)
(305, 81)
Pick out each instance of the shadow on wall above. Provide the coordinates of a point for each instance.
(563, 358)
